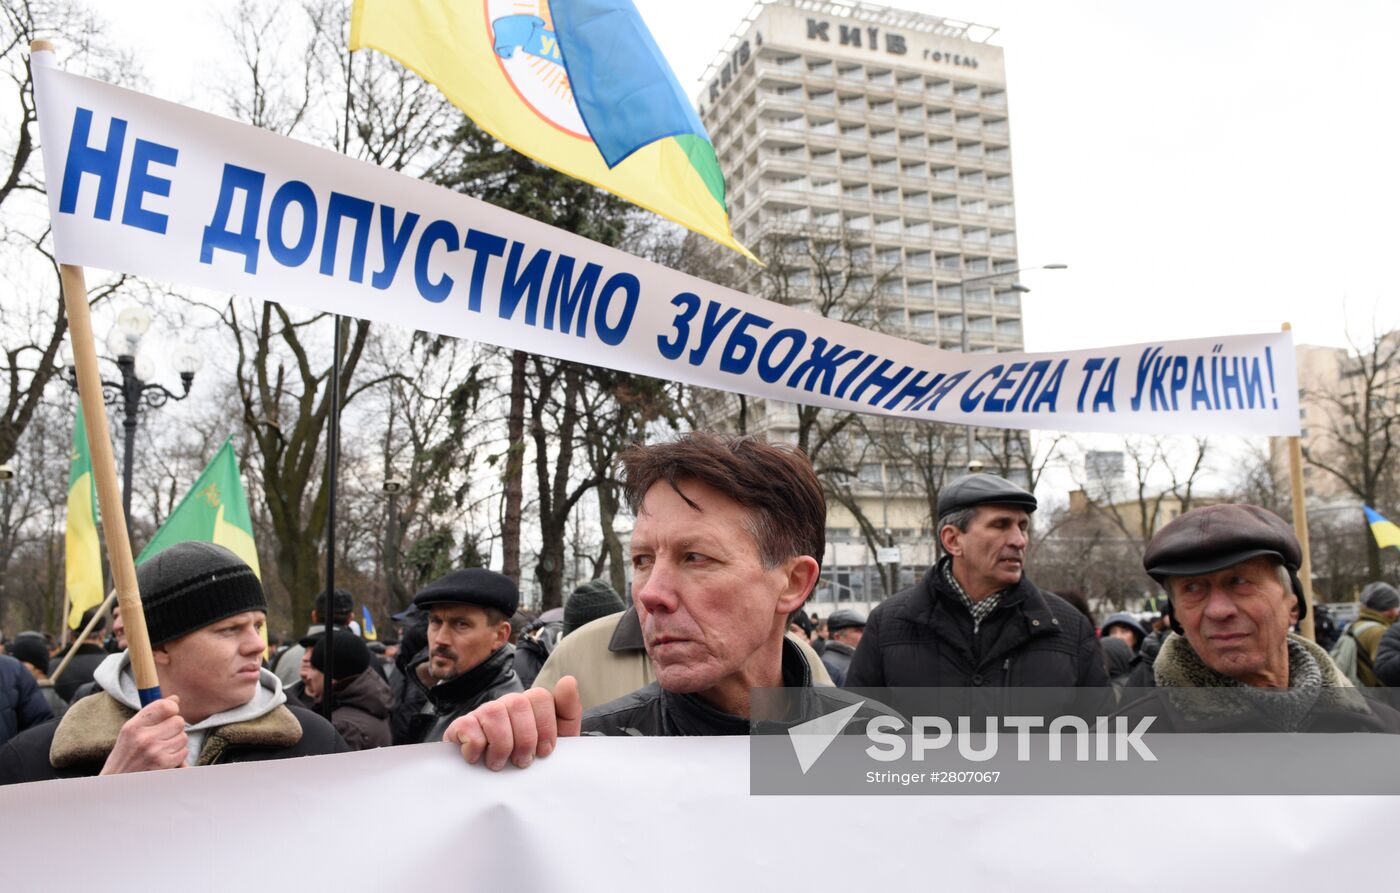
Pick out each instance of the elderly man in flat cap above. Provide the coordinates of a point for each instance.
(470, 660)
(975, 619)
(1231, 572)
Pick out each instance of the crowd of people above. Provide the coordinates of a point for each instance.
(725, 554)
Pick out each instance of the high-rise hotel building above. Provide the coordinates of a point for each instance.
(884, 131)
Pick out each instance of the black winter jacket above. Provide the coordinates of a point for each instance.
(1388, 657)
(444, 702)
(361, 710)
(654, 712)
(923, 637)
(90, 729)
(22, 705)
(79, 671)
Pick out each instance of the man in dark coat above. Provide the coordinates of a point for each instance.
(204, 613)
(86, 656)
(469, 659)
(1388, 657)
(845, 627)
(360, 697)
(1232, 664)
(22, 705)
(975, 619)
(727, 543)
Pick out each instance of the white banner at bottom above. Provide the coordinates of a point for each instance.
(670, 814)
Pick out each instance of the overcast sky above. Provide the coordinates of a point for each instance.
(1204, 168)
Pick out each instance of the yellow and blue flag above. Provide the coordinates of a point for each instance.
(82, 552)
(1386, 532)
(367, 629)
(578, 85)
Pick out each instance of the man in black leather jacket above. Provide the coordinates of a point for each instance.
(469, 658)
(727, 544)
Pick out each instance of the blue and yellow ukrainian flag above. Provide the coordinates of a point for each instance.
(578, 85)
(1386, 532)
(367, 628)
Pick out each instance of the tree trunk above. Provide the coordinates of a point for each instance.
(612, 543)
(515, 469)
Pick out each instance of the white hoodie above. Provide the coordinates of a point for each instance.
(115, 677)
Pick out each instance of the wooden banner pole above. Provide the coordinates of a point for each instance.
(1306, 627)
(104, 470)
(104, 473)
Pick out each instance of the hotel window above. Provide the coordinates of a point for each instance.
(920, 260)
(951, 262)
(938, 87)
(881, 76)
(819, 66)
(975, 234)
(821, 97)
(855, 190)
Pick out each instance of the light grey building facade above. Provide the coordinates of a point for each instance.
(870, 147)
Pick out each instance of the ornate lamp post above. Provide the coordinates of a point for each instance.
(135, 393)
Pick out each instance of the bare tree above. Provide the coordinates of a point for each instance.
(35, 324)
(1360, 434)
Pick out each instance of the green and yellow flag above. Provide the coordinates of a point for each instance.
(83, 554)
(215, 510)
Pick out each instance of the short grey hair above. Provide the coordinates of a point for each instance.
(960, 518)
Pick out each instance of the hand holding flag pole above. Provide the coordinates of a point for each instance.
(104, 470)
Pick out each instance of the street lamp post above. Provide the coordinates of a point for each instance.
(135, 393)
(962, 298)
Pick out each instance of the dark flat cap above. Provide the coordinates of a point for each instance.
(1215, 537)
(982, 489)
(845, 618)
(472, 586)
(1379, 596)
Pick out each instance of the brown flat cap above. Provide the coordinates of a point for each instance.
(1215, 537)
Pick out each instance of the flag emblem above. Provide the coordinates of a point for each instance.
(527, 49)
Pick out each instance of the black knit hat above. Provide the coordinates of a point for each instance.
(351, 655)
(31, 648)
(592, 600)
(191, 585)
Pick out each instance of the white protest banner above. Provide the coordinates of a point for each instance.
(646, 814)
(147, 187)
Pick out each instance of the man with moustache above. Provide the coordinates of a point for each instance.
(469, 660)
(974, 620)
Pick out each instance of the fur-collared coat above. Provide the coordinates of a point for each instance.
(1190, 697)
(78, 745)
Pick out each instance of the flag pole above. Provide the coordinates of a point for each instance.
(104, 470)
(1300, 527)
(333, 451)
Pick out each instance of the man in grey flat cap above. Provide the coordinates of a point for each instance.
(975, 619)
(845, 626)
(1232, 664)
